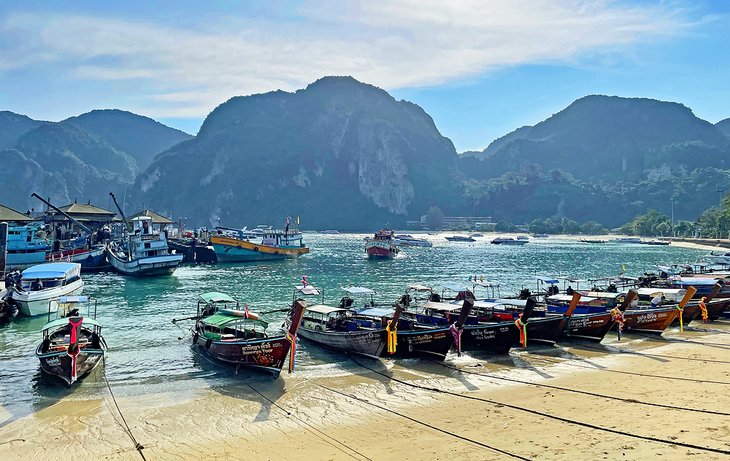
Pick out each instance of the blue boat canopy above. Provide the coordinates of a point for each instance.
(376, 312)
(548, 280)
(52, 271)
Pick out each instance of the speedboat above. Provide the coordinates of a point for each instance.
(460, 238)
(44, 282)
(509, 241)
(719, 258)
(72, 344)
(409, 240)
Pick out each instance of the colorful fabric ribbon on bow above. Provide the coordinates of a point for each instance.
(391, 332)
(456, 333)
(292, 350)
(618, 317)
(681, 320)
(703, 309)
(522, 327)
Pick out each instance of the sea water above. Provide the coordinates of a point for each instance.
(149, 354)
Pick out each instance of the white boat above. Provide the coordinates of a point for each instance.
(42, 283)
(330, 232)
(719, 258)
(147, 252)
(523, 237)
(627, 240)
(409, 240)
(509, 241)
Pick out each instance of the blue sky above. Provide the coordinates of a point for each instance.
(481, 68)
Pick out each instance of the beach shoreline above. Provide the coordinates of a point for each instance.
(310, 417)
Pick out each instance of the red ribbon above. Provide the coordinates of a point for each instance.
(73, 347)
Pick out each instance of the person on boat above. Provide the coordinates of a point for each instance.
(657, 300)
(569, 291)
(36, 285)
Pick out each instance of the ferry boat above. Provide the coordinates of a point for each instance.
(146, 252)
(382, 245)
(27, 246)
(231, 245)
(72, 344)
(42, 283)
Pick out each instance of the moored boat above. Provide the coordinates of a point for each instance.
(509, 241)
(460, 238)
(232, 245)
(72, 344)
(382, 245)
(409, 240)
(26, 246)
(239, 337)
(44, 282)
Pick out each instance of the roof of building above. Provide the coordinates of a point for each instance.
(85, 209)
(8, 214)
(156, 217)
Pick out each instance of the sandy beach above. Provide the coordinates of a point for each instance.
(309, 417)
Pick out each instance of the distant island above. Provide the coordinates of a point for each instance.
(344, 154)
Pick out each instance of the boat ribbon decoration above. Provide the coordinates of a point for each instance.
(680, 308)
(304, 280)
(618, 317)
(73, 344)
(703, 309)
(391, 332)
(456, 333)
(522, 327)
(292, 350)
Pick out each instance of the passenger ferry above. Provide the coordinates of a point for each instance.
(233, 245)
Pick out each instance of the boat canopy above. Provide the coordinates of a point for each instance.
(376, 312)
(73, 299)
(58, 323)
(441, 306)
(307, 290)
(487, 304)
(548, 280)
(216, 297)
(52, 271)
(359, 290)
(563, 298)
(326, 310)
(601, 294)
(221, 320)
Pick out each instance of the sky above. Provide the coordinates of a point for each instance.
(480, 68)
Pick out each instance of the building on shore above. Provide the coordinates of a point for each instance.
(12, 216)
(460, 222)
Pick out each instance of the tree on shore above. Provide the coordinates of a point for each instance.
(435, 218)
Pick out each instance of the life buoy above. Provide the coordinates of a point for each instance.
(208, 343)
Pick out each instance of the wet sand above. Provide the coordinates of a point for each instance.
(308, 421)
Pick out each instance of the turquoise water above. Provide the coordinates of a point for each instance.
(149, 354)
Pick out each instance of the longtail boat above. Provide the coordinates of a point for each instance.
(72, 344)
(238, 337)
(339, 328)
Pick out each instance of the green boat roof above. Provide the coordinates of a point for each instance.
(64, 321)
(221, 320)
(216, 297)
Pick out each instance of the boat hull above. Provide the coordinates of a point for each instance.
(689, 313)
(431, 342)
(265, 354)
(59, 364)
(145, 267)
(653, 321)
(369, 343)
(32, 303)
(234, 250)
(542, 330)
(380, 250)
(589, 327)
(495, 338)
(93, 260)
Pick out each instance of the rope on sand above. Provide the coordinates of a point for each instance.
(323, 436)
(138, 446)
(550, 416)
(430, 426)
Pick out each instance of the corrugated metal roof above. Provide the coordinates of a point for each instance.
(8, 214)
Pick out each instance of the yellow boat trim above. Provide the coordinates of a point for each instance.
(257, 247)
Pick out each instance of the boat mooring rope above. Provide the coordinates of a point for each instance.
(551, 416)
(633, 373)
(423, 423)
(578, 391)
(125, 427)
(323, 436)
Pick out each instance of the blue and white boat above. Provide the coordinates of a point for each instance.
(43, 283)
(27, 246)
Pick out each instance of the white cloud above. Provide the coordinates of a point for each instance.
(185, 72)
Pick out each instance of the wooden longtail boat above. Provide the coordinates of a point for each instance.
(72, 344)
(590, 327)
(238, 337)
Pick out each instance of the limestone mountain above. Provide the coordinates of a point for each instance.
(339, 153)
(140, 137)
(628, 154)
(66, 161)
(724, 126)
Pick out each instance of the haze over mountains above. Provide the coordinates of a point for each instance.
(347, 155)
